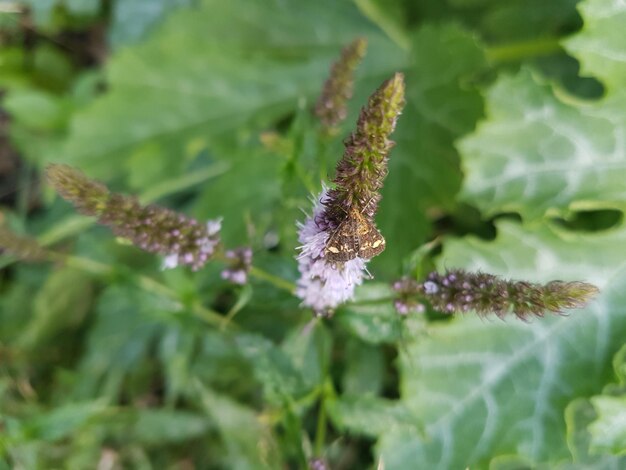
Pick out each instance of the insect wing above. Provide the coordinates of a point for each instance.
(371, 242)
(342, 245)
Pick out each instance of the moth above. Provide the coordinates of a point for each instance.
(355, 236)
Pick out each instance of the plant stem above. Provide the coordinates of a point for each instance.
(326, 392)
(320, 433)
(272, 279)
(184, 182)
(517, 51)
(379, 300)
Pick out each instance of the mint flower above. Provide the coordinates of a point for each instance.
(323, 286)
(241, 261)
(318, 464)
(362, 169)
(331, 107)
(181, 239)
(459, 291)
(340, 236)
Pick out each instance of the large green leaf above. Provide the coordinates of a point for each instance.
(211, 70)
(536, 153)
(61, 305)
(607, 428)
(600, 45)
(248, 441)
(441, 105)
(163, 426)
(118, 342)
(578, 415)
(488, 387)
(540, 151)
(133, 19)
(272, 368)
(609, 431)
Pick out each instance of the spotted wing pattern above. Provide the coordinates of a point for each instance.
(343, 243)
(371, 242)
(355, 236)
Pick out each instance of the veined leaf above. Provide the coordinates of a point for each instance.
(537, 154)
(600, 45)
(539, 151)
(485, 387)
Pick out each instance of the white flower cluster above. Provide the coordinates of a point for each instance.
(323, 285)
(206, 248)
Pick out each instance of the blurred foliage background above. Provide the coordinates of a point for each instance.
(510, 158)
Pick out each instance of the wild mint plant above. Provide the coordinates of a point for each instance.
(337, 239)
(340, 236)
(218, 363)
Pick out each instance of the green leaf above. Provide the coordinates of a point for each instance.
(369, 318)
(524, 20)
(248, 441)
(536, 153)
(61, 304)
(579, 414)
(441, 89)
(605, 431)
(161, 426)
(608, 431)
(540, 151)
(62, 421)
(371, 416)
(600, 45)
(365, 369)
(132, 20)
(424, 172)
(309, 349)
(119, 340)
(36, 109)
(212, 70)
(281, 381)
(484, 388)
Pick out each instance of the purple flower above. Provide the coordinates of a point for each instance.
(21, 246)
(331, 107)
(181, 239)
(241, 261)
(323, 285)
(460, 291)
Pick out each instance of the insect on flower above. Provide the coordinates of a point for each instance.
(355, 236)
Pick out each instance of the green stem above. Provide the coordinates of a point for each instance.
(379, 300)
(320, 433)
(184, 182)
(272, 279)
(23, 194)
(523, 50)
(148, 284)
(327, 391)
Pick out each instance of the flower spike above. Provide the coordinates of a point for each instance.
(331, 107)
(181, 239)
(459, 291)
